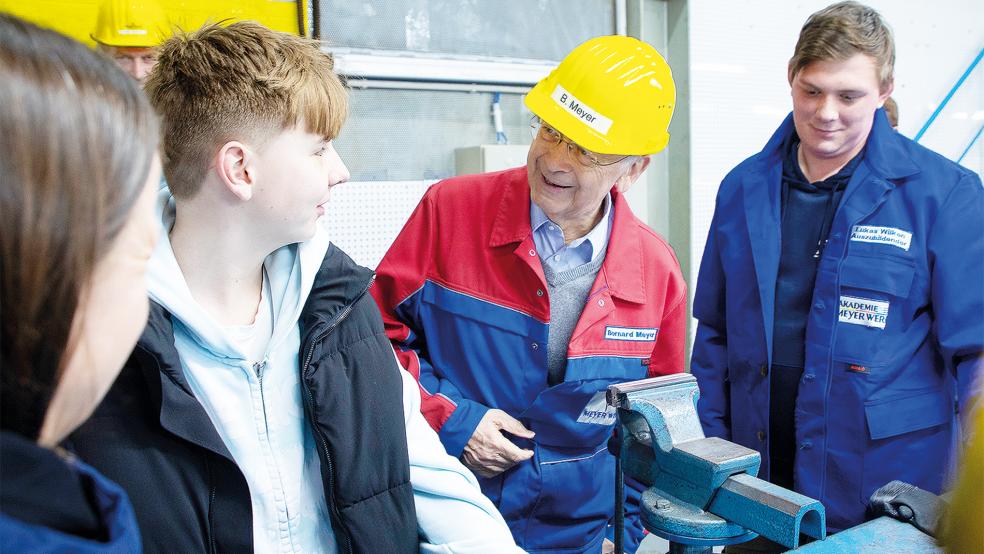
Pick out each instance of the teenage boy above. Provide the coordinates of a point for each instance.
(840, 298)
(263, 408)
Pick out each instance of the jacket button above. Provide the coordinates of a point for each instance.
(806, 445)
(763, 370)
(819, 306)
(534, 346)
(760, 435)
(601, 303)
(809, 377)
(532, 252)
(539, 292)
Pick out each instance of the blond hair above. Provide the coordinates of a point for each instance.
(239, 82)
(841, 30)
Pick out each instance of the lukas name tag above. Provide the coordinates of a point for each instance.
(882, 235)
(597, 411)
(639, 334)
(863, 311)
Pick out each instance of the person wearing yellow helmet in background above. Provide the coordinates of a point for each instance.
(515, 298)
(128, 31)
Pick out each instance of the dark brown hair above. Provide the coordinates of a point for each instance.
(842, 30)
(240, 82)
(77, 139)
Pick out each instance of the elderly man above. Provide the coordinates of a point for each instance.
(128, 31)
(515, 298)
(840, 297)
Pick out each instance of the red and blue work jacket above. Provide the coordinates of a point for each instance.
(465, 302)
(895, 332)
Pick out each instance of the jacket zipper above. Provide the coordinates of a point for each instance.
(211, 506)
(833, 335)
(329, 468)
(258, 369)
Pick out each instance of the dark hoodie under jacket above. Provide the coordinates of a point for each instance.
(153, 437)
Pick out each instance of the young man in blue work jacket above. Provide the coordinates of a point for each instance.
(841, 294)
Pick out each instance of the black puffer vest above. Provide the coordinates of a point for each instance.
(152, 436)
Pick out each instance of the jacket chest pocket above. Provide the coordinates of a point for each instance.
(871, 308)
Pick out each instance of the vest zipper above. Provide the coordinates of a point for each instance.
(211, 505)
(329, 485)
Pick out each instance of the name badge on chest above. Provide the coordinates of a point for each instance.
(863, 311)
(634, 334)
(882, 235)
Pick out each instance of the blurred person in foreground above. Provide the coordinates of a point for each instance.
(78, 169)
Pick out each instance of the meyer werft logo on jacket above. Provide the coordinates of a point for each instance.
(463, 296)
(895, 331)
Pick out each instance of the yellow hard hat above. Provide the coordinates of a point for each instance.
(130, 23)
(611, 95)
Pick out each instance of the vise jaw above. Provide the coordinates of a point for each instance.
(702, 490)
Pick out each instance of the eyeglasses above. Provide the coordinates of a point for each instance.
(583, 156)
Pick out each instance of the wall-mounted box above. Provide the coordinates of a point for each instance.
(489, 157)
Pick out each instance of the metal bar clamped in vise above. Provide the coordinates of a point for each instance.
(703, 491)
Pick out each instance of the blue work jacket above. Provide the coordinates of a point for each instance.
(895, 332)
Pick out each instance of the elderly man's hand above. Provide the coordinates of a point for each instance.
(489, 453)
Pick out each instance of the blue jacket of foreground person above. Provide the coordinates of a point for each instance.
(54, 503)
(894, 335)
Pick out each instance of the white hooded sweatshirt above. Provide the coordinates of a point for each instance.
(248, 380)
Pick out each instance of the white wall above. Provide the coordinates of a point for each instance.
(739, 92)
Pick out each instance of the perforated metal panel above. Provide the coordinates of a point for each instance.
(365, 217)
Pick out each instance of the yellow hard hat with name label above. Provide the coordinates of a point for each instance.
(610, 95)
(131, 23)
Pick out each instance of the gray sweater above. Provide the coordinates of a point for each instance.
(568, 292)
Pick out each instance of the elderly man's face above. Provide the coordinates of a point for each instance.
(571, 193)
(135, 61)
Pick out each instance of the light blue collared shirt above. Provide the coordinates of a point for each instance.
(549, 239)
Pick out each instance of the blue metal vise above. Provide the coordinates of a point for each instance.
(703, 491)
